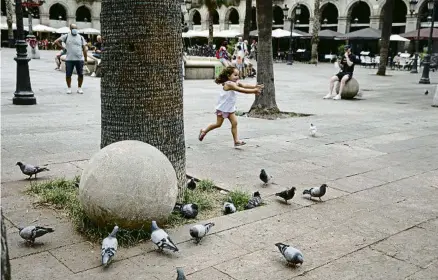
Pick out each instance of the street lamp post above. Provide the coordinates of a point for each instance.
(292, 22)
(23, 90)
(427, 58)
(412, 6)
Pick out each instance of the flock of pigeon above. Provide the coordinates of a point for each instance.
(160, 237)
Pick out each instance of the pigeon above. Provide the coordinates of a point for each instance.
(427, 92)
(109, 247)
(180, 273)
(160, 238)
(312, 130)
(30, 233)
(317, 192)
(31, 170)
(255, 201)
(189, 211)
(229, 208)
(200, 231)
(265, 177)
(191, 184)
(292, 255)
(287, 194)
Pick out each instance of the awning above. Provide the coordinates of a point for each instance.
(424, 34)
(329, 34)
(362, 34)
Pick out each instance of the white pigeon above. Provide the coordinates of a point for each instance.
(30, 233)
(312, 130)
(291, 254)
(109, 247)
(160, 238)
(200, 231)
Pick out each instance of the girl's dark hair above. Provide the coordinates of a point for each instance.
(223, 76)
(224, 43)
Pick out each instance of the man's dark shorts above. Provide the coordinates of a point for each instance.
(340, 75)
(70, 64)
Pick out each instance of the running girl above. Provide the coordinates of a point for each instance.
(226, 105)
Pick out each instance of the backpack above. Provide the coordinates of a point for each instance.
(217, 54)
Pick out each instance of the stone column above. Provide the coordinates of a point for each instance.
(70, 20)
(376, 22)
(241, 24)
(411, 23)
(204, 24)
(343, 25)
(44, 18)
(311, 25)
(222, 25)
(95, 23)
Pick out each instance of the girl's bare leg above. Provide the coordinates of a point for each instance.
(332, 85)
(219, 122)
(233, 120)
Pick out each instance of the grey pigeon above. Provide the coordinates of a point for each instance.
(191, 184)
(30, 233)
(264, 177)
(316, 192)
(31, 170)
(200, 231)
(427, 92)
(109, 247)
(229, 208)
(180, 273)
(189, 211)
(287, 194)
(254, 201)
(291, 254)
(160, 238)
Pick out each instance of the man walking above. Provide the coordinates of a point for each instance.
(76, 48)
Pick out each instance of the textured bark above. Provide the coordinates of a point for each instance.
(141, 89)
(9, 22)
(265, 103)
(315, 31)
(247, 22)
(6, 266)
(386, 34)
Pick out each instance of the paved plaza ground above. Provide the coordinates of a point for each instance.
(378, 155)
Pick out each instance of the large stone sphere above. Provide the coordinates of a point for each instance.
(128, 183)
(350, 90)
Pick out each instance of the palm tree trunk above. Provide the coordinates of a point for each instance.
(9, 17)
(315, 31)
(6, 266)
(210, 28)
(247, 22)
(265, 103)
(386, 34)
(141, 89)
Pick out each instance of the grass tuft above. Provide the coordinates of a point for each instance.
(239, 198)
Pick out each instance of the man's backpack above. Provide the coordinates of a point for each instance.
(218, 54)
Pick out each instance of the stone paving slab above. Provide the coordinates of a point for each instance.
(364, 264)
(430, 273)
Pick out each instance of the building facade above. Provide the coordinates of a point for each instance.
(339, 15)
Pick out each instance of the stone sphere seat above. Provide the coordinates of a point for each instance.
(351, 89)
(128, 183)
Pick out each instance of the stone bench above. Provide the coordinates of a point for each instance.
(91, 64)
(200, 68)
(350, 90)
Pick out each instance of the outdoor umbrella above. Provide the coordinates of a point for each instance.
(279, 33)
(329, 34)
(424, 34)
(43, 28)
(90, 31)
(398, 38)
(63, 30)
(362, 34)
(194, 33)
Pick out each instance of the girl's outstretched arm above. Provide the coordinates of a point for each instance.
(234, 86)
(240, 84)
